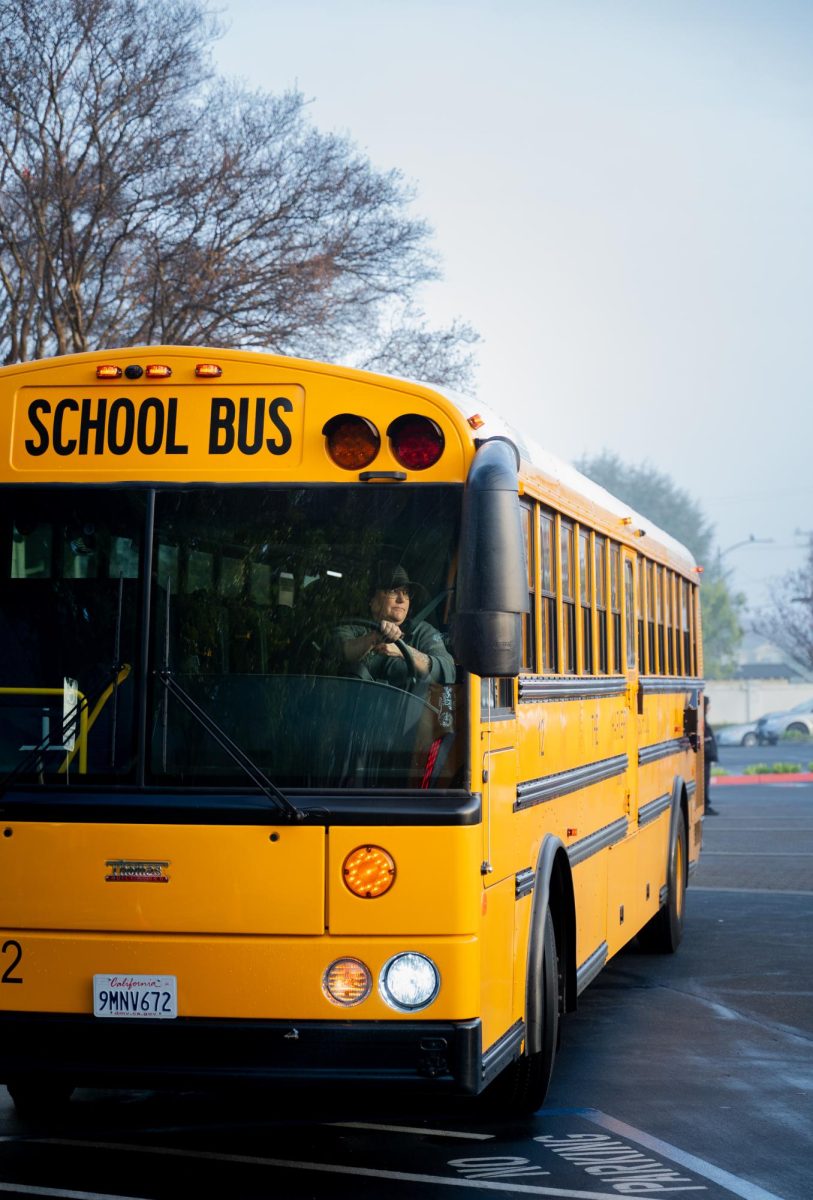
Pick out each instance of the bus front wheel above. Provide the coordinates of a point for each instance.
(522, 1087)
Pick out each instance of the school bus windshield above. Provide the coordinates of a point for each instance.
(253, 595)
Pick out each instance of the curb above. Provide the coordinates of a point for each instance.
(800, 777)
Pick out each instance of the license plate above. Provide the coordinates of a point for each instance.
(151, 997)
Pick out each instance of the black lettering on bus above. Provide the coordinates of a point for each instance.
(151, 407)
(16, 948)
(284, 444)
(61, 447)
(121, 442)
(173, 446)
(221, 422)
(35, 448)
(243, 443)
(89, 424)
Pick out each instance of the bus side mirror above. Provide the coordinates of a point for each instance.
(492, 580)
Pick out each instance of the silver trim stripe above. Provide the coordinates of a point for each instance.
(591, 967)
(652, 685)
(548, 787)
(533, 688)
(691, 788)
(524, 882)
(650, 754)
(653, 808)
(600, 840)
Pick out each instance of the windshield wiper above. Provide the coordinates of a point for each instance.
(234, 752)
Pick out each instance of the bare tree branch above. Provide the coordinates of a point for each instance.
(144, 200)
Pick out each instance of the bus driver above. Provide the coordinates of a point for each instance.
(372, 653)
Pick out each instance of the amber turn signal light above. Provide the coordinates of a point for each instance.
(352, 442)
(208, 371)
(158, 371)
(368, 872)
(108, 371)
(347, 981)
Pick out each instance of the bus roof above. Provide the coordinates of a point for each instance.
(537, 460)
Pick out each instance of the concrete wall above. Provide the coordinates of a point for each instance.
(734, 701)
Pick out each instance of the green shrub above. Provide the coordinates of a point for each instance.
(780, 768)
(794, 735)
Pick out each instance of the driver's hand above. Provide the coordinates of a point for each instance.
(390, 632)
(387, 648)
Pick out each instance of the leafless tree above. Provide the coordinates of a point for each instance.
(144, 200)
(788, 621)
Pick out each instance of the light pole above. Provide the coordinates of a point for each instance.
(751, 540)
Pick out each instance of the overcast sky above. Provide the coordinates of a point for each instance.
(622, 195)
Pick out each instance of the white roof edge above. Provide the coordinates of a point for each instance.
(562, 472)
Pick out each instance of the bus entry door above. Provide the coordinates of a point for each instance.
(498, 764)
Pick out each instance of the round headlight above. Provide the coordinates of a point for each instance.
(347, 982)
(409, 982)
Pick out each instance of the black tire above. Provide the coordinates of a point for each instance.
(797, 727)
(663, 933)
(522, 1087)
(750, 739)
(38, 1098)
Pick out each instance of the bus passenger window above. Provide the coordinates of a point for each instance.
(686, 662)
(529, 618)
(547, 554)
(639, 611)
(668, 610)
(601, 603)
(31, 552)
(651, 662)
(659, 608)
(629, 609)
(568, 601)
(615, 606)
(496, 698)
(586, 605)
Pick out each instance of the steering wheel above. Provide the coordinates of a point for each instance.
(412, 672)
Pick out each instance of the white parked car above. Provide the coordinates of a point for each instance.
(795, 720)
(737, 735)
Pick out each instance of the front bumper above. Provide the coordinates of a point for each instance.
(89, 1052)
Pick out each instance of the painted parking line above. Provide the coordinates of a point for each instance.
(413, 1129)
(699, 1166)
(487, 1185)
(29, 1189)
(572, 1154)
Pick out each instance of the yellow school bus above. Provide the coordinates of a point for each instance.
(344, 733)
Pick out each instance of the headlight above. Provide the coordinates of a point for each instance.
(409, 982)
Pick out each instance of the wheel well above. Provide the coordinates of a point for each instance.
(553, 888)
(563, 910)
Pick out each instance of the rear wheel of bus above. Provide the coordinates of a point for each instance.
(663, 933)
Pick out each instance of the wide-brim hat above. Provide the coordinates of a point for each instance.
(390, 576)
